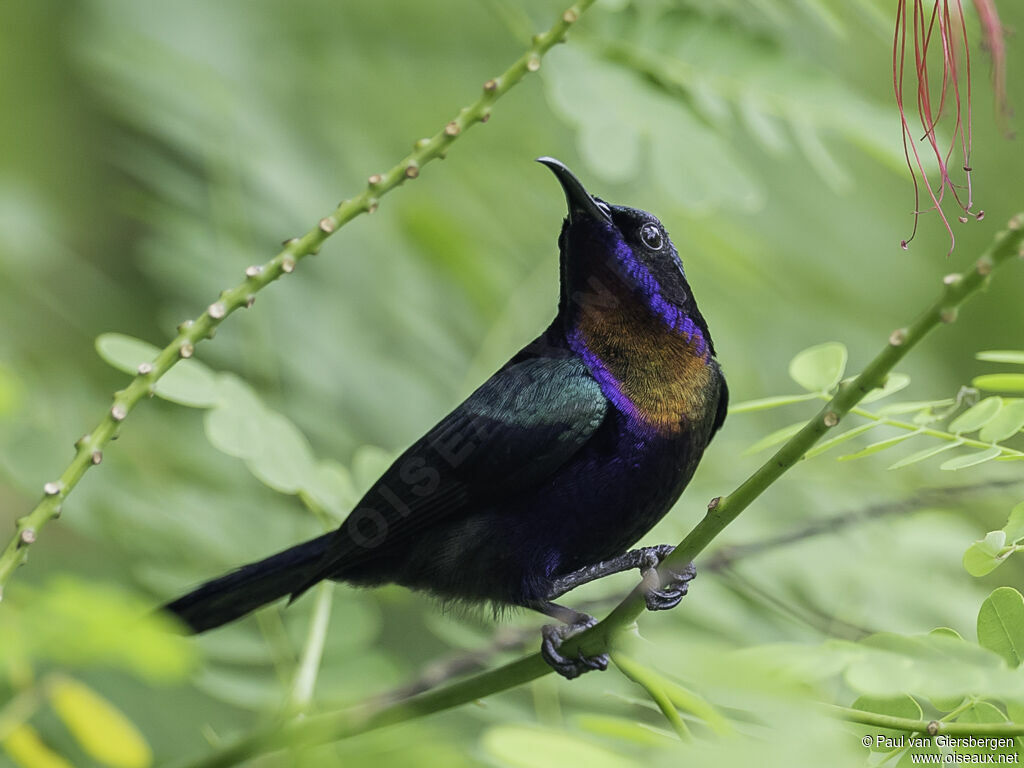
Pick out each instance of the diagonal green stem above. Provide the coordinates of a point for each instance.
(331, 726)
(650, 681)
(89, 448)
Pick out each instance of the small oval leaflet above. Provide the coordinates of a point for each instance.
(977, 416)
(1012, 356)
(881, 445)
(1001, 624)
(1005, 424)
(925, 453)
(775, 438)
(1000, 382)
(820, 368)
(971, 459)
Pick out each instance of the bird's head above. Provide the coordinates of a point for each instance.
(619, 259)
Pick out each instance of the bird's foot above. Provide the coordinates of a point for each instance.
(669, 591)
(567, 666)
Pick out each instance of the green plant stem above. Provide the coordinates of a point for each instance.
(336, 725)
(191, 333)
(932, 728)
(650, 681)
(939, 434)
(312, 652)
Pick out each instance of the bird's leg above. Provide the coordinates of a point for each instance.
(659, 596)
(555, 634)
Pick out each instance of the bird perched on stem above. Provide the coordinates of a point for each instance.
(546, 475)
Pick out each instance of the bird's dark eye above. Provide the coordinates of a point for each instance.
(651, 236)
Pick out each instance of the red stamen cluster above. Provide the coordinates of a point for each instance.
(945, 21)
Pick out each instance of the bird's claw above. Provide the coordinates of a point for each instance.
(568, 667)
(669, 592)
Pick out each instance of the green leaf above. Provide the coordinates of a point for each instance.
(970, 459)
(842, 437)
(946, 704)
(893, 384)
(236, 425)
(1014, 527)
(1001, 624)
(1015, 710)
(1006, 423)
(820, 368)
(881, 445)
(523, 746)
(189, 382)
(622, 729)
(1000, 382)
(125, 353)
(108, 626)
(1013, 356)
(926, 453)
(99, 727)
(28, 750)
(284, 461)
(981, 712)
(977, 415)
(764, 403)
(985, 555)
(896, 706)
(776, 437)
(333, 489)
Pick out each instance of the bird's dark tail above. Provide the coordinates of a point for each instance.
(243, 590)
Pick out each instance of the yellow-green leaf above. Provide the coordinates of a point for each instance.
(1012, 356)
(764, 403)
(1006, 423)
(894, 382)
(1014, 527)
(842, 437)
(27, 749)
(820, 368)
(977, 415)
(925, 453)
(100, 728)
(970, 459)
(881, 445)
(1001, 624)
(189, 382)
(776, 437)
(985, 555)
(1000, 382)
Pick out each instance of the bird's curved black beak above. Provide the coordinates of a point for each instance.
(579, 200)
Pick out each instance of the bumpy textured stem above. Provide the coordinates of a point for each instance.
(930, 727)
(89, 448)
(331, 726)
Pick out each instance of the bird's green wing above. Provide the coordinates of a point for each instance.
(507, 438)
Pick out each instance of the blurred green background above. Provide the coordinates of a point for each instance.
(151, 151)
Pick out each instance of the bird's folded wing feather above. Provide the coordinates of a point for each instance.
(508, 437)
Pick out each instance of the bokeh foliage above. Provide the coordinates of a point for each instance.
(153, 151)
